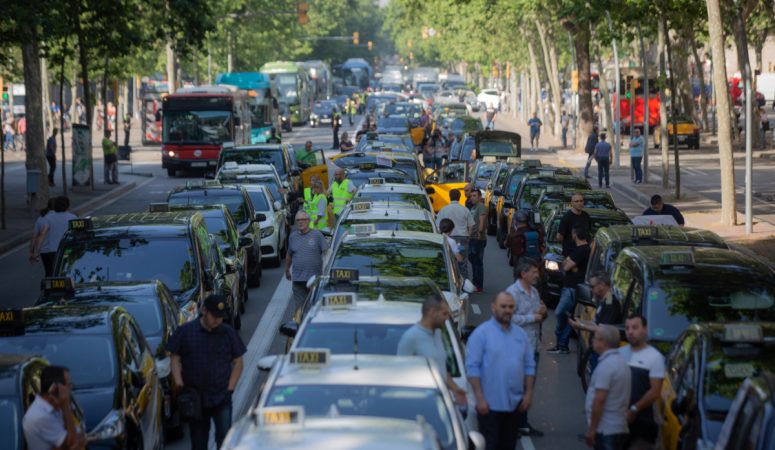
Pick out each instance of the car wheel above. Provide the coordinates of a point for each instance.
(171, 172)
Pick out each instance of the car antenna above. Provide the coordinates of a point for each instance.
(355, 348)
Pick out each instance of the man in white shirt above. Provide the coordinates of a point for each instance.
(461, 217)
(49, 422)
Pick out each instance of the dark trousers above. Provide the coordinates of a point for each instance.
(610, 441)
(52, 167)
(500, 429)
(336, 137)
(564, 137)
(476, 256)
(200, 429)
(48, 262)
(603, 164)
(126, 138)
(635, 162)
(586, 167)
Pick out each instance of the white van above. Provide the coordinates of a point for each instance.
(765, 83)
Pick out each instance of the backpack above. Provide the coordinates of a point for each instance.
(532, 245)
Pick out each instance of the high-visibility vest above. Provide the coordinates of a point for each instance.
(341, 194)
(323, 221)
(309, 207)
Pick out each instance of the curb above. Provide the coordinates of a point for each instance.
(79, 210)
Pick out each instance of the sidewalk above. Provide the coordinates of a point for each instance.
(20, 216)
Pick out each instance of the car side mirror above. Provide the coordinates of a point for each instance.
(245, 241)
(265, 363)
(289, 329)
(430, 190)
(260, 217)
(296, 172)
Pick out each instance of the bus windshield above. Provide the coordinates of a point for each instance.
(286, 85)
(258, 116)
(196, 127)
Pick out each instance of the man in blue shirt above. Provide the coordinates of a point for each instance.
(636, 155)
(535, 130)
(501, 370)
(660, 208)
(603, 157)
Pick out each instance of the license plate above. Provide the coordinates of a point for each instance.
(199, 164)
(681, 138)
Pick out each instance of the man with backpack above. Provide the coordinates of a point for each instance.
(524, 241)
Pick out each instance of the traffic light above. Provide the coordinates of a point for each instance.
(370, 45)
(356, 38)
(302, 9)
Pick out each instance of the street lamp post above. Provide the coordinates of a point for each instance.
(617, 107)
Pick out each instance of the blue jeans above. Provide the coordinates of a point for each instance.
(586, 167)
(610, 441)
(564, 137)
(200, 429)
(603, 164)
(476, 256)
(566, 306)
(462, 266)
(635, 162)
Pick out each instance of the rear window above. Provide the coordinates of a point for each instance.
(257, 156)
(232, 199)
(258, 198)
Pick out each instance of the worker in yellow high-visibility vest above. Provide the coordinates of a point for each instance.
(342, 191)
(319, 218)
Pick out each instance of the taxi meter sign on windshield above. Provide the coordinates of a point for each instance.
(339, 300)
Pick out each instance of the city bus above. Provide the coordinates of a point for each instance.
(151, 94)
(197, 121)
(262, 101)
(320, 78)
(293, 86)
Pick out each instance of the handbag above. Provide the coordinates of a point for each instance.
(190, 404)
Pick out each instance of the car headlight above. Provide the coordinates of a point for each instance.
(284, 118)
(172, 154)
(266, 232)
(551, 265)
(111, 427)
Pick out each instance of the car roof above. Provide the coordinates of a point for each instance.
(392, 187)
(665, 234)
(111, 290)
(396, 235)
(382, 312)
(362, 370)
(709, 263)
(389, 214)
(69, 319)
(206, 187)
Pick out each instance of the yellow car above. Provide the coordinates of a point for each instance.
(439, 182)
(312, 164)
(688, 132)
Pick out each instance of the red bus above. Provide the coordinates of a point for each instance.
(197, 121)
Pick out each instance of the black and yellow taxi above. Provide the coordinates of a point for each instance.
(558, 197)
(503, 185)
(552, 274)
(381, 160)
(112, 368)
(703, 372)
(439, 183)
(750, 421)
(19, 384)
(154, 309)
(688, 132)
(499, 145)
(173, 247)
(237, 200)
(281, 156)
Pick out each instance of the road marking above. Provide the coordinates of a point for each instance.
(246, 390)
(476, 308)
(526, 443)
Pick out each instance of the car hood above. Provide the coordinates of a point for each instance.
(96, 404)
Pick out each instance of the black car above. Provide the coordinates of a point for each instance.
(750, 423)
(19, 384)
(173, 247)
(281, 156)
(393, 125)
(111, 366)
(322, 113)
(154, 309)
(237, 200)
(503, 184)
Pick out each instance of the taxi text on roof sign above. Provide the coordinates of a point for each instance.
(58, 284)
(376, 181)
(11, 322)
(311, 358)
(743, 333)
(159, 207)
(281, 416)
(343, 274)
(644, 232)
(672, 259)
(339, 300)
(363, 229)
(80, 224)
(361, 206)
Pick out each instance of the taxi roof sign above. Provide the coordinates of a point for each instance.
(281, 416)
(363, 229)
(743, 333)
(56, 286)
(554, 188)
(11, 322)
(644, 232)
(367, 166)
(340, 274)
(384, 161)
(339, 300)
(361, 206)
(489, 159)
(376, 181)
(80, 224)
(309, 358)
(159, 207)
(676, 259)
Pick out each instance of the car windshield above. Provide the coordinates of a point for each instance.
(232, 199)
(373, 339)
(727, 366)
(409, 168)
(324, 108)
(369, 290)
(388, 225)
(485, 170)
(453, 173)
(418, 199)
(90, 358)
(495, 148)
(218, 227)
(258, 116)
(258, 199)
(376, 401)
(273, 156)
(514, 184)
(10, 423)
(196, 127)
(146, 311)
(392, 122)
(390, 176)
(139, 258)
(675, 304)
(395, 257)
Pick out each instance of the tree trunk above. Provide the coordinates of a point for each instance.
(535, 107)
(171, 70)
(33, 105)
(604, 88)
(581, 38)
(646, 109)
(683, 86)
(674, 115)
(62, 117)
(83, 60)
(73, 95)
(701, 74)
(552, 74)
(663, 139)
(726, 159)
(104, 90)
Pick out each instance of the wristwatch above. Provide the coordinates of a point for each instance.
(634, 409)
